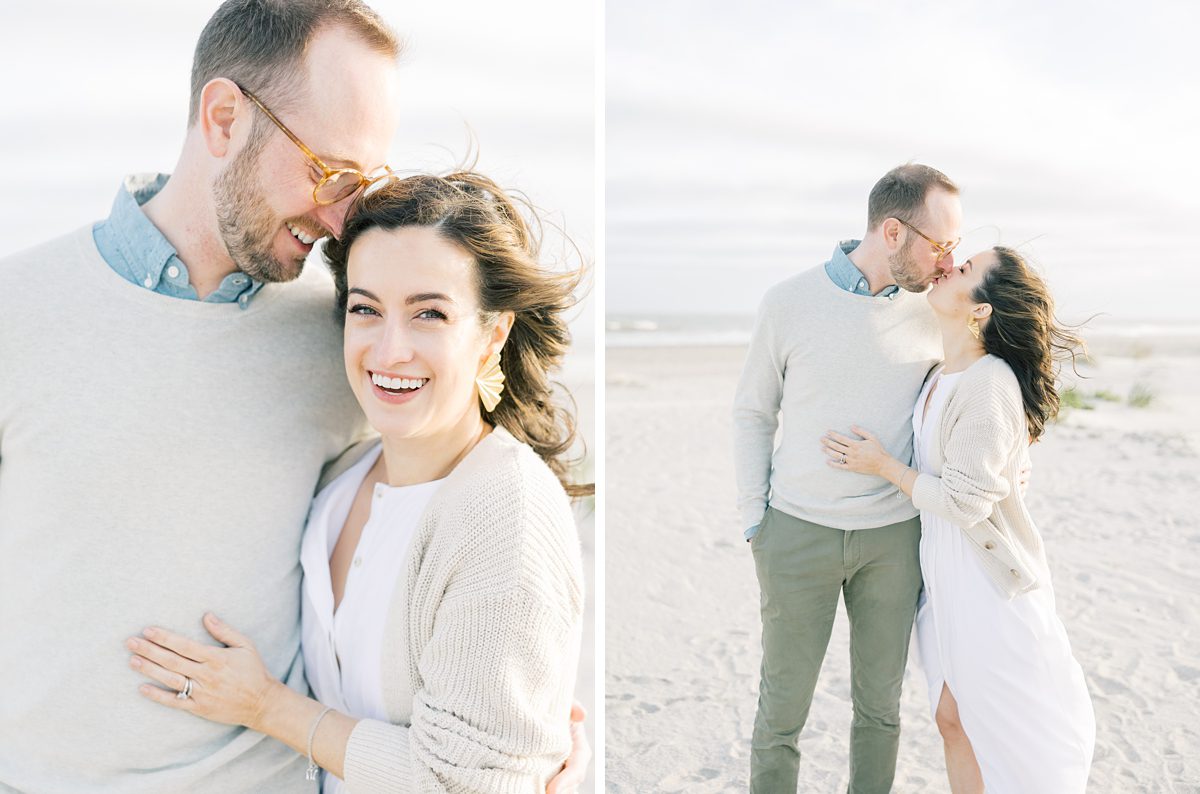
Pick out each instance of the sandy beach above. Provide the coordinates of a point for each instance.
(1113, 494)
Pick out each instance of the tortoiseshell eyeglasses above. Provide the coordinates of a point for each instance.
(335, 184)
(943, 249)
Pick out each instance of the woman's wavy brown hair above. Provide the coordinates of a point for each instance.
(1023, 331)
(473, 212)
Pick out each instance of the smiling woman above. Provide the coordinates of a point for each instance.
(414, 333)
(470, 288)
(186, 180)
(443, 587)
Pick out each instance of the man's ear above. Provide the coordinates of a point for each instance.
(224, 113)
(891, 229)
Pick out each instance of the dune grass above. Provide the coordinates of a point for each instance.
(1140, 396)
(1073, 399)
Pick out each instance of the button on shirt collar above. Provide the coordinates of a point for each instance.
(844, 273)
(138, 252)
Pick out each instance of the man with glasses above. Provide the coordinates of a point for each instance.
(848, 343)
(167, 404)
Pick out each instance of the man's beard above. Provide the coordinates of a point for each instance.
(906, 271)
(247, 225)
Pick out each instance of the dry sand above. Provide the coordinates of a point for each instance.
(1114, 495)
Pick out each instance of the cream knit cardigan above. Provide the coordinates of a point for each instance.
(483, 634)
(983, 442)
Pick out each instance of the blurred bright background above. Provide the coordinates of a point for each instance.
(742, 142)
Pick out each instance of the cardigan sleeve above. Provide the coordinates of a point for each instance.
(495, 676)
(978, 448)
(492, 713)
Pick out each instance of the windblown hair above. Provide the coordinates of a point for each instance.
(473, 212)
(1023, 331)
(901, 193)
(260, 44)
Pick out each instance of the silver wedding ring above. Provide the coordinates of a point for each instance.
(186, 692)
(843, 460)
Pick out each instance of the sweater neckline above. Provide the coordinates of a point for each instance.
(882, 301)
(110, 285)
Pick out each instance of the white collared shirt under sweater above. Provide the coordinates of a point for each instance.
(343, 649)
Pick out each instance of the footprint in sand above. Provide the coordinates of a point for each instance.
(679, 782)
(1186, 673)
(1117, 689)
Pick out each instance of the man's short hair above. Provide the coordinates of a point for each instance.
(260, 44)
(901, 193)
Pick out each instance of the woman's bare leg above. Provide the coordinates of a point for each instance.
(961, 766)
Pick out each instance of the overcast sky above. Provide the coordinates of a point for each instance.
(742, 141)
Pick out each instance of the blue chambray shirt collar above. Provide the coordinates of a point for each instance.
(846, 275)
(143, 250)
(147, 258)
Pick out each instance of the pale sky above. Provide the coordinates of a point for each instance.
(742, 141)
(94, 91)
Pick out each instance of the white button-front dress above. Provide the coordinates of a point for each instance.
(1021, 695)
(343, 650)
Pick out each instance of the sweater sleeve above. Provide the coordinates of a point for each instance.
(492, 714)
(977, 452)
(495, 677)
(756, 416)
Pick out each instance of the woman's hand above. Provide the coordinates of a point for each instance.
(574, 771)
(865, 455)
(229, 685)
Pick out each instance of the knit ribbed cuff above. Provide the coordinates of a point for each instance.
(926, 492)
(752, 514)
(378, 758)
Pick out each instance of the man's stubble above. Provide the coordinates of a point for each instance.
(905, 269)
(246, 222)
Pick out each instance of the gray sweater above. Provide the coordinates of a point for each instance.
(824, 359)
(157, 459)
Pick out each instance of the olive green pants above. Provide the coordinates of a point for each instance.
(802, 567)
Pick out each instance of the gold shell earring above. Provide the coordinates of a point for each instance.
(973, 327)
(490, 382)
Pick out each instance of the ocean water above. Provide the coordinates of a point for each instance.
(734, 330)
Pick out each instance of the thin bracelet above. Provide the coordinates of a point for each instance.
(313, 769)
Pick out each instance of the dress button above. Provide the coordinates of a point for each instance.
(1015, 572)
(173, 271)
(358, 562)
(989, 545)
